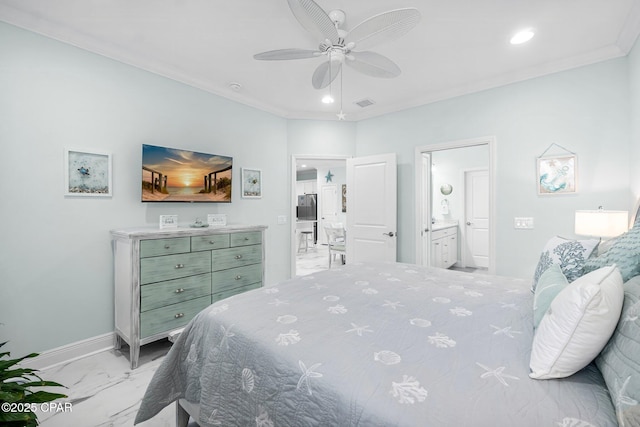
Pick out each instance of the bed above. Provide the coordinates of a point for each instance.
(389, 345)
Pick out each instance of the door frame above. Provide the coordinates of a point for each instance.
(423, 196)
(293, 201)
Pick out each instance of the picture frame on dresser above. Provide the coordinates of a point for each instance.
(87, 173)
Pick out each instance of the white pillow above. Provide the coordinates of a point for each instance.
(578, 324)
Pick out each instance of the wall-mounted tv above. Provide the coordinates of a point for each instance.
(176, 175)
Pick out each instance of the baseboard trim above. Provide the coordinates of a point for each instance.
(70, 352)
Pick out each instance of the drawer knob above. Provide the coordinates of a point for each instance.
(238, 256)
(179, 291)
(179, 265)
(246, 238)
(211, 242)
(179, 315)
(238, 277)
(167, 246)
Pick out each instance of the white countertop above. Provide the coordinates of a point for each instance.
(439, 225)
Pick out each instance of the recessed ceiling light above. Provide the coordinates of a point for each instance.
(327, 99)
(522, 36)
(303, 166)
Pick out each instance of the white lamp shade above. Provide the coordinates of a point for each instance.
(601, 223)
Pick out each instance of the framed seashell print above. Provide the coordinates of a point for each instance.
(557, 175)
(87, 173)
(251, 183)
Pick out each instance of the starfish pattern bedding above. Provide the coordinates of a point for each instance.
(373, 345)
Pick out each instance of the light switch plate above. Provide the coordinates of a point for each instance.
(282, 219)
(523, 223)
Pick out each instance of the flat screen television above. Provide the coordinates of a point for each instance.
(176, 175)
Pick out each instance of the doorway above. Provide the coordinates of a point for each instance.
(455, 200)
(320, 178)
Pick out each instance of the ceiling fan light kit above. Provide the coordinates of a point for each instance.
(338, 46)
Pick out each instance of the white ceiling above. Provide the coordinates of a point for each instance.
(458, 47)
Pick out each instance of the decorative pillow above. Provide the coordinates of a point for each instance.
(577, 325)
(625, 253)
(570, 254)
(550, 284)
(619, 362)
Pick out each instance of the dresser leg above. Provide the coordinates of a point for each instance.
(182, 416)
(117, 341)
(134, 355)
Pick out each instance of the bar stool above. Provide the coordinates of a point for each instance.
(304, 237)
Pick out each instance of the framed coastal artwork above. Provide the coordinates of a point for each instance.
(557, 175)
(87, 173)
(251, 183)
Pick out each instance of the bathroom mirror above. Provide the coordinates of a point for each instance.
(446, 189)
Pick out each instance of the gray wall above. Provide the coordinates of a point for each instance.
(634, 84)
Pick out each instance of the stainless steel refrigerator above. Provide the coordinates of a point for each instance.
(307, 210)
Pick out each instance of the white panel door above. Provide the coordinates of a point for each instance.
(328, 209)
(372, 208)
(477, 218)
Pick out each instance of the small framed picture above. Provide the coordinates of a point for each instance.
(251, 183)
(87, 173)
(217, 220)
(557, 175)
(168, 221)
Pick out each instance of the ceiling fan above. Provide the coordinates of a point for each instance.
(340, 46)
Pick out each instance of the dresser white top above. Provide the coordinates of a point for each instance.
(153, 232)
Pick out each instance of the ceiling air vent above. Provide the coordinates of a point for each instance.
(364, 102)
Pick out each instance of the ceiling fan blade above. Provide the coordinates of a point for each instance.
(384, 27)
(314, 19)
(373, 64)
(325, 74)
(285, 54)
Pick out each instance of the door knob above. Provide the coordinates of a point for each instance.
(390, 234)
(468, 223)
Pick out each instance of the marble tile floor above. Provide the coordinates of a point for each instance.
(314, 259)
(470, 270)
(105, 392)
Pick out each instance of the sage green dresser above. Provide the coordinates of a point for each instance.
(163, 278)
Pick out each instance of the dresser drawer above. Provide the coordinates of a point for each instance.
(245, 239)
(225, 294)
(214, 241)
(158, 269)
(235, 277)
(171, 317)
(157, 247)
(156, 295)
(444, 232)
(224, 259)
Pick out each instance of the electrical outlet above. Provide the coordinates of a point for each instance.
(523, 223)
(282, 219)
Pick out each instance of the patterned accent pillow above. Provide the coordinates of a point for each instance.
(625, 253)
(619, 362)
(550, 284)
(571, 255)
